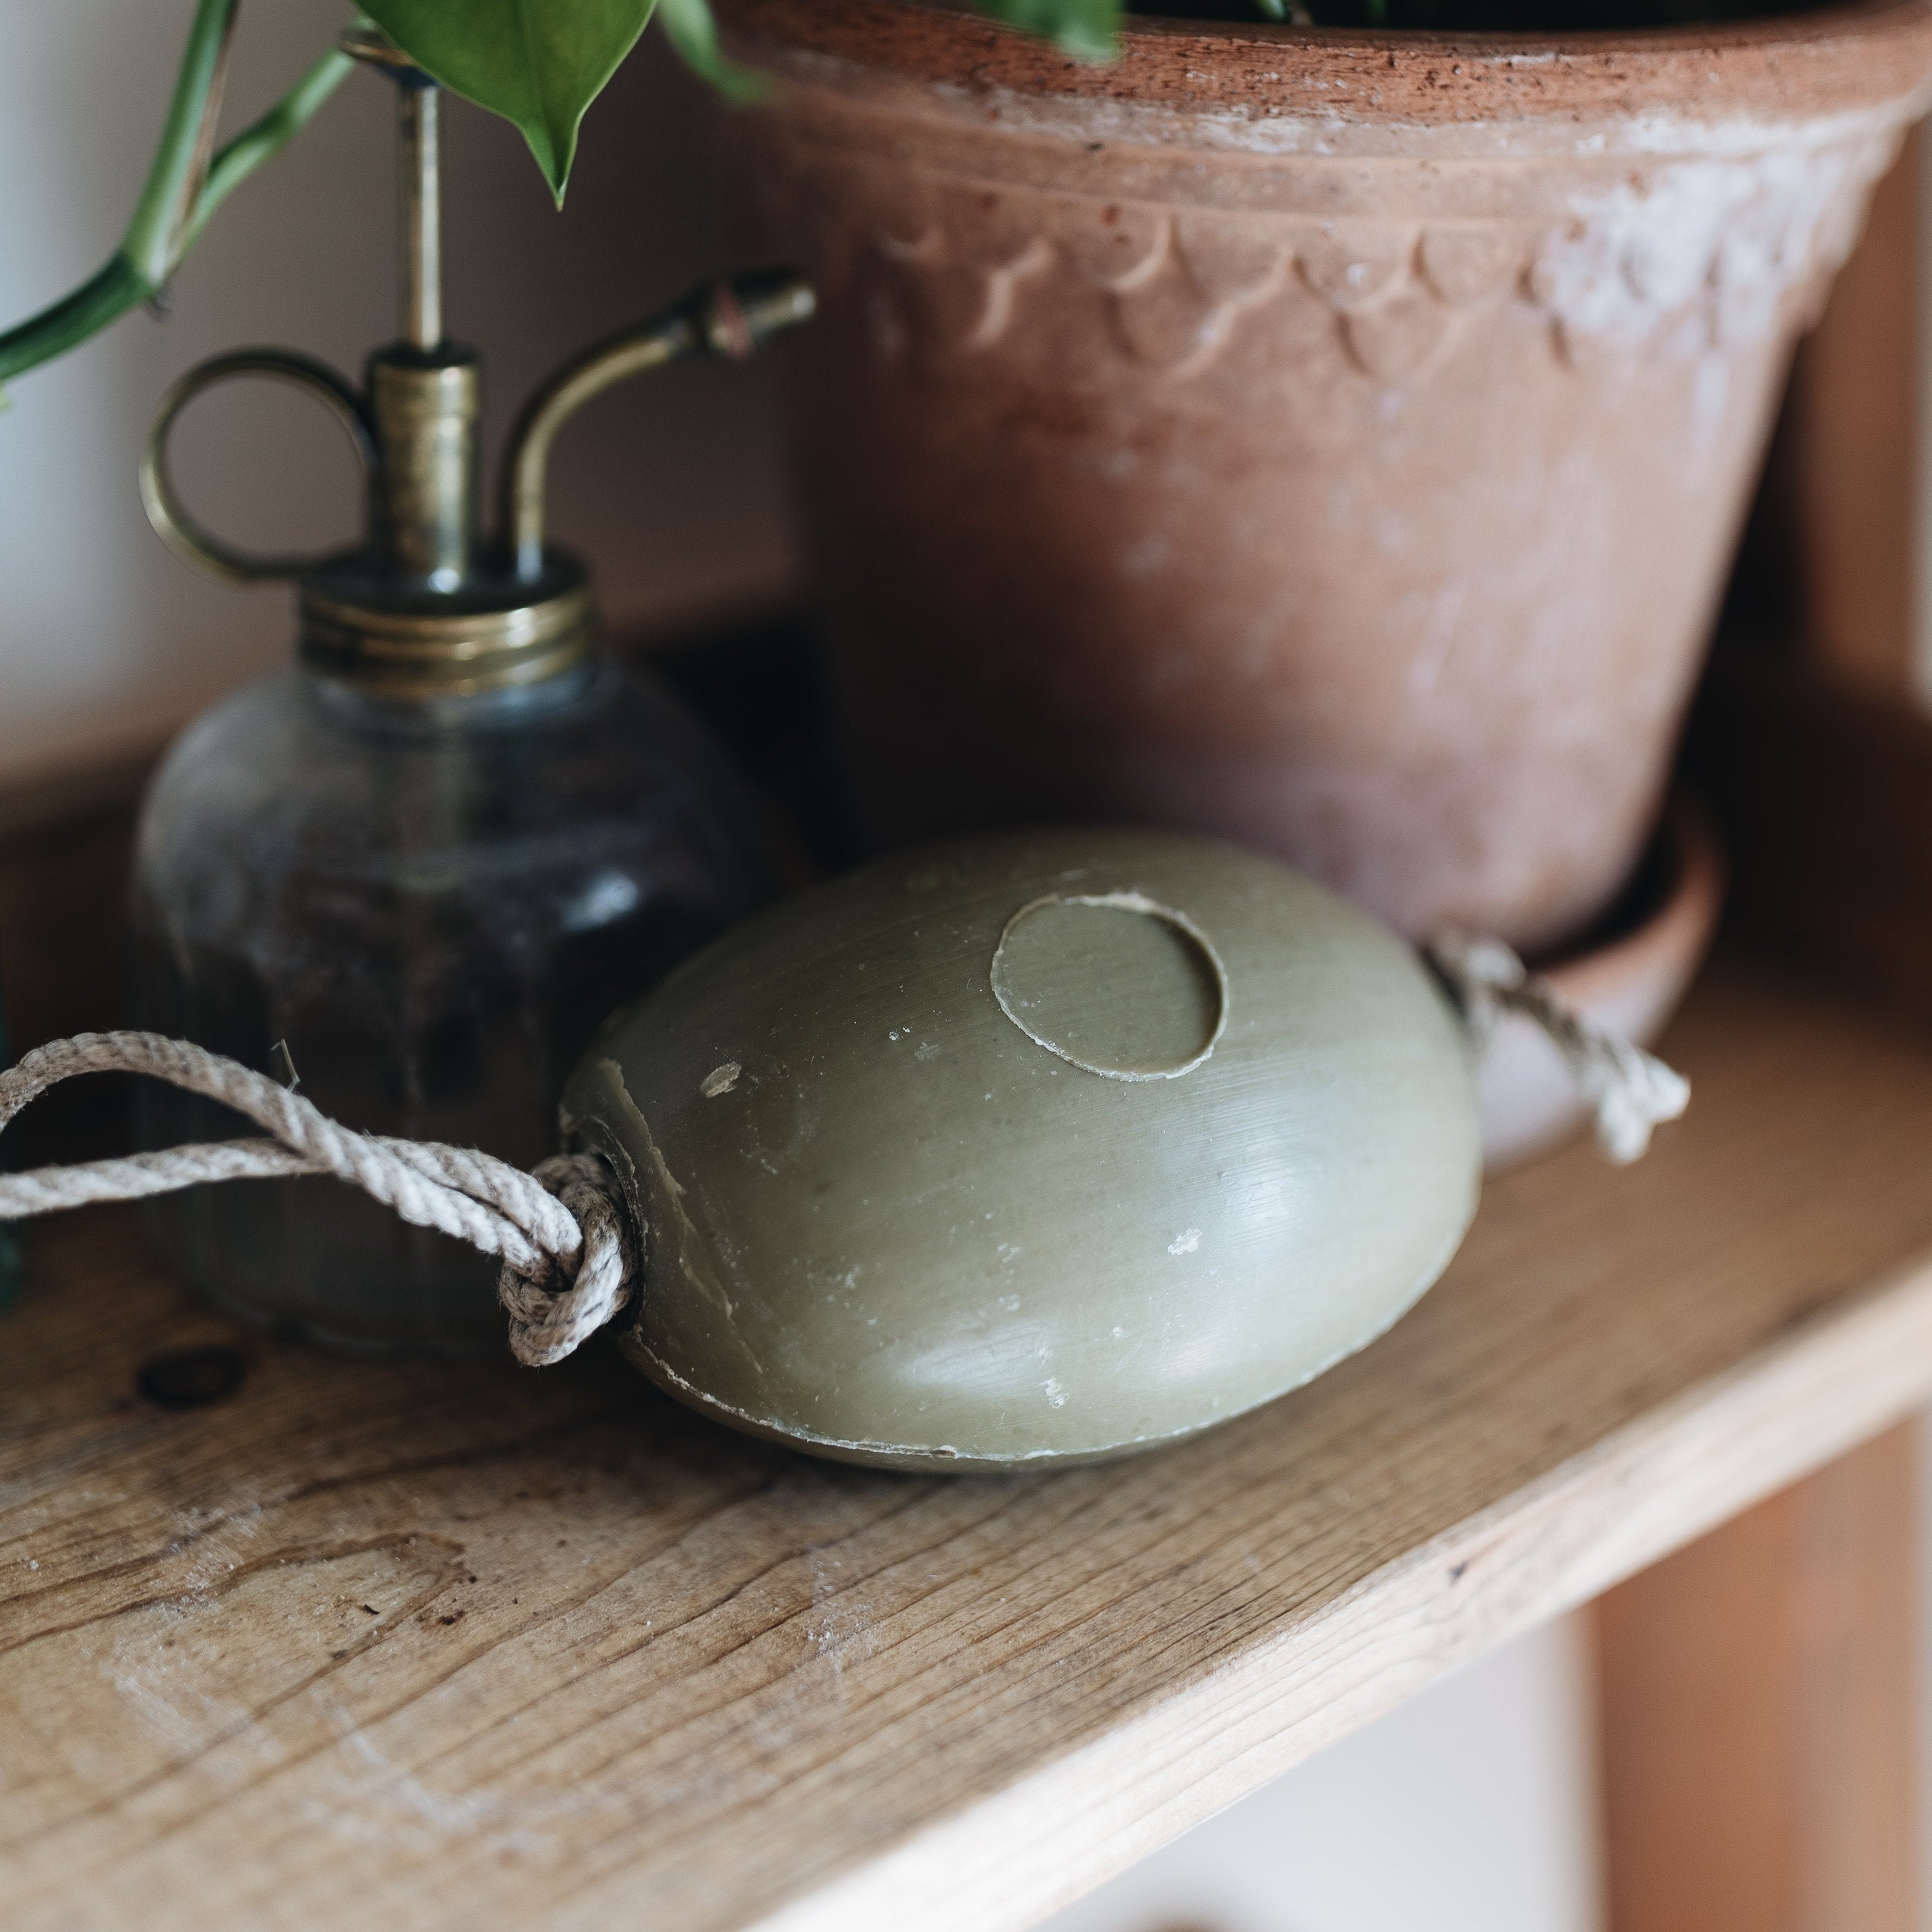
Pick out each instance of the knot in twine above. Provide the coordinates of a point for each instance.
(1630, 1091)
(570, 1255)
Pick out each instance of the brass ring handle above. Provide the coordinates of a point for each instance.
(172, 523)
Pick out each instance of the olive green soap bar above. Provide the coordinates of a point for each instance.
(1032, 1149)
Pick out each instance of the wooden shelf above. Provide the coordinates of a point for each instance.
(423, 1647)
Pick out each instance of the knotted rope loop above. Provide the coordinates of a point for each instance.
(1630, 1091)
(568, 1255)
(552, 1316)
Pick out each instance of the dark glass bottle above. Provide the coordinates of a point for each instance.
(425, 907)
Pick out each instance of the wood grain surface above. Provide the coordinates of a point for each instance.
(461, 1648)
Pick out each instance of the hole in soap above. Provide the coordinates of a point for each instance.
(1113, 982)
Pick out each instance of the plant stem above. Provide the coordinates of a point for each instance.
(90, 308)
(183, 188)
(174, 181)
(264, 139)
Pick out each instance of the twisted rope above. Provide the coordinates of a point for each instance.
(1630, 1091)
(569, 1256)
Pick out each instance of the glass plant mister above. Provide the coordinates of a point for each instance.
(417, 870)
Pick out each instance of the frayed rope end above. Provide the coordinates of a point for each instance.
(1629, 1091)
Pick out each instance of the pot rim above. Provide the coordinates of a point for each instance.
(1781, 69)
(1677, 925)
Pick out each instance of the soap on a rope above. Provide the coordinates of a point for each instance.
(1031, 1150)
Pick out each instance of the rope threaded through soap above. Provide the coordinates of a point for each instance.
(1630, 1091)
(563, 1231)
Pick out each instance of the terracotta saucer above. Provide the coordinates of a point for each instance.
(1628, 974)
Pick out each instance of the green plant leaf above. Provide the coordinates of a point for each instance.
(538, 63)
(694, 33)
(1085, 29)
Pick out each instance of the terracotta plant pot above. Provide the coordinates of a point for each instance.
(1335, 440)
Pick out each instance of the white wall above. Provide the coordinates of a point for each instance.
(672, 486)
(1472, 1808)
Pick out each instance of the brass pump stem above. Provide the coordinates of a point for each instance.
(418, 183)
(419, 227)
(424, 393)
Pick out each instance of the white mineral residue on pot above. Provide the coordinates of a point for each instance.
(1710, 408)
(1741, 232)
(1438, 612)
(1263, 128)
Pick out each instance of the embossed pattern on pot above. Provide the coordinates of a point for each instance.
(1721, 244)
